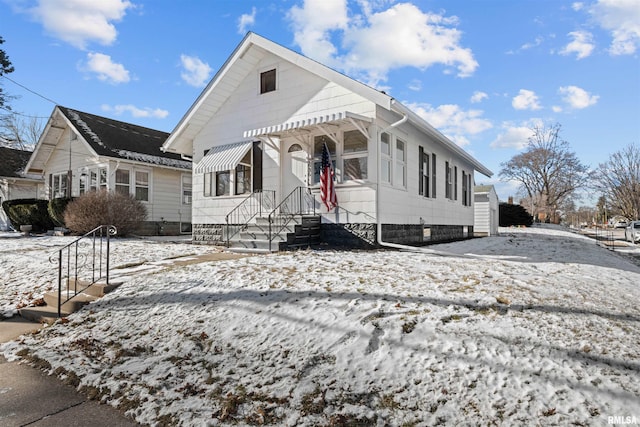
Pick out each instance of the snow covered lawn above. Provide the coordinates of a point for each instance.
(535, 327)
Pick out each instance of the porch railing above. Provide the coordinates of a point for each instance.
(84, 262)
(255, 204)
(300, 201)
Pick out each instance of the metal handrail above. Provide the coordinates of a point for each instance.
(299, 201)
(253, 205)
(79, 265)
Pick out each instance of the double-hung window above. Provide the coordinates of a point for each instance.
(318, 144)
(142, 186)
(401, 164)
(455, 183)
(354, 155)
(423, 172)
(243, 174)
(466, 189)
(385, 158)
(59, 184)
(223, 183)
(186, 189)
(448, 189)
(123, 182)
(433, 175)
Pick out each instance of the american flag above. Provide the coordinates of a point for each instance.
(327, 189)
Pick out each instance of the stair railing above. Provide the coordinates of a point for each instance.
(84, 261)
(253, 205)
(299, 201)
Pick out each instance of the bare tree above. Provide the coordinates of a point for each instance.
(20, 133)
(618, 180)
(547, 171)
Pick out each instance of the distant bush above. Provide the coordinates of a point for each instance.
(97, 208)
(513, 215)
(28, 212)
(56, 209)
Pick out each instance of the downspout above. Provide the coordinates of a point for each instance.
(379, 240)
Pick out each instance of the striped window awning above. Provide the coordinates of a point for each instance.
(337, 118)
(223, 157)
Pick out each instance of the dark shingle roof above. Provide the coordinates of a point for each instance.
(113, 138)
(12, 161)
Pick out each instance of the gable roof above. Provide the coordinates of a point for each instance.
(245, 58)
(13, 162)
(107, 137)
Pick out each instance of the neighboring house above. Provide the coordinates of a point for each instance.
(487, 212)
(257, 132)
(80, 152)
(14, 183)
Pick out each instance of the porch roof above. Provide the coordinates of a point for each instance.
(308, 123)
(223, 157)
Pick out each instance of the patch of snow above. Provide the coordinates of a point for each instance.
(536, 326)
(85, 127)
(158, 160)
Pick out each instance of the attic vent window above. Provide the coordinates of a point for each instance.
(268, 81)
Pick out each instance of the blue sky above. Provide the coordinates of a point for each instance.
(483, 72)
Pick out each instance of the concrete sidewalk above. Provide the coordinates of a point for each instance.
(30, 397)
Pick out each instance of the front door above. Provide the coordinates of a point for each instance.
(295, 168)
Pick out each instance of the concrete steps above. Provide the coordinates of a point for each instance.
(301, 231)
(75, 298)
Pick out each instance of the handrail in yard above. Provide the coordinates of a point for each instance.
(253, 205)
(81, 265)
(299, 201)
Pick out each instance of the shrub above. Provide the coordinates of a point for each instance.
(93, 209)
(28, 211)
(511, 215)
(56, 210)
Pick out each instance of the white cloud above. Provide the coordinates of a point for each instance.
(457, 124)
(577, 6)
(415, 85)
(118, 110)
(582, 44)
(196, 73)
(577, 98)
(106, 69)
(478, 96)
(622, 19)
(246, 20)
(420, 39)
(526, 100)
(312, 26)
(514, 136)
(79, 22)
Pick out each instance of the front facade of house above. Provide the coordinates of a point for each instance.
(261, 125)
(80, 152)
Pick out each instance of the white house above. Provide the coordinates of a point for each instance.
(14, 183)
(487, 213)
(80, 152)
(256, 135)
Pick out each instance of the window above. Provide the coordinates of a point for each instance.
(142, 186)
(423, 172)
(354, 155)
(122, 181)
(433, 176)
(243, 175)
(186, 189)
(466, 189)
(448, 193)
(455, 183)
(207, 184)
(385, 159)
(401, 164)
(223, 183)
(102, 183)
(268, 81)
(318, 143)
(59, 185)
